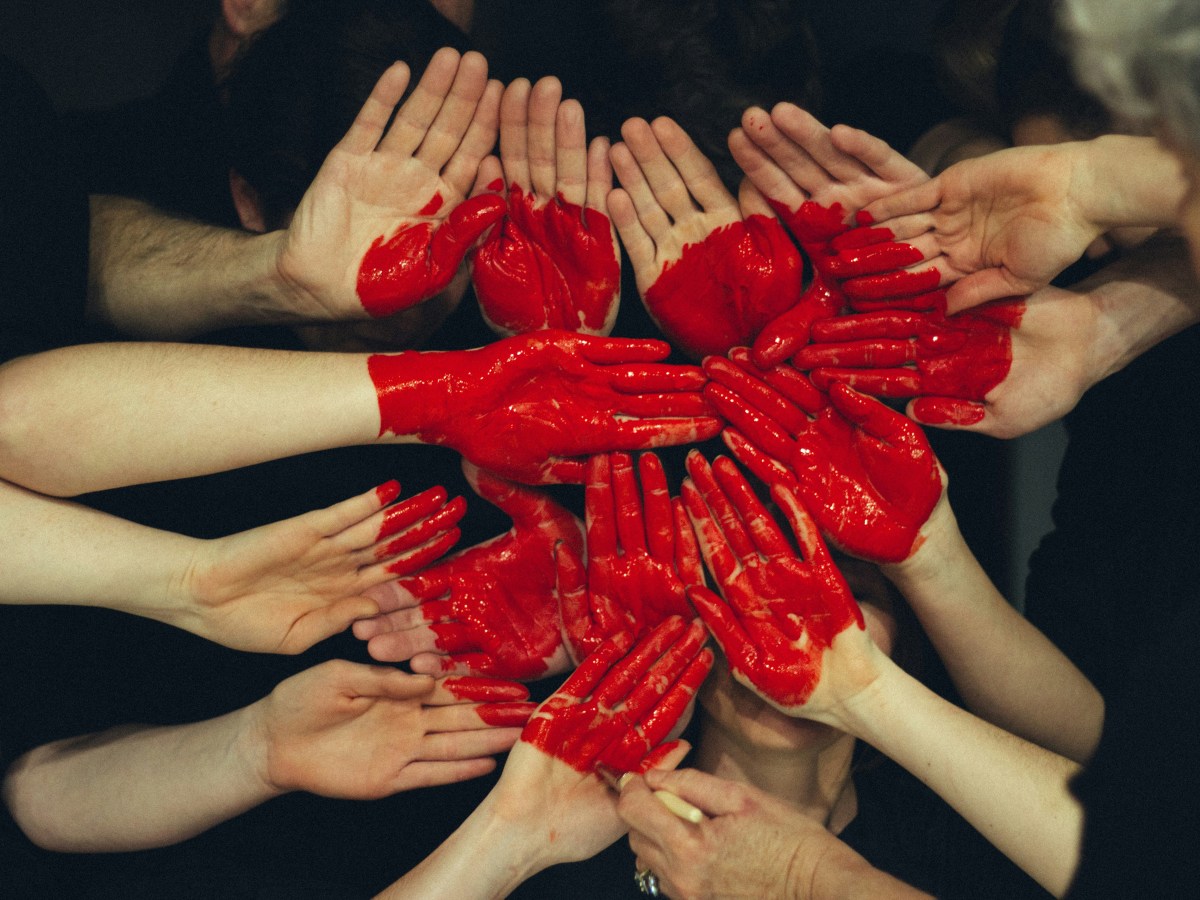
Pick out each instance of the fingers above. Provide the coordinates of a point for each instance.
(659, 517)
(711, 795)
(599, 175)
(462, 723)
(918, 199)
(639, 246)
(465, 168)
(378, 681)
(325, 621)
(768, 539)
(400, 644)
(877, 420)
(465, 743)
(422, 774)
(368, 126)
(631, 528)
(699, 175)
(456, 114)
(541, 131)
(572, 155)
(601, 509)
(888, 164)
(460, 689)
(514, 133)
(417, 113)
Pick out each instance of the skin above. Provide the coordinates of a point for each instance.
(866, 472)
(553, 262)
(641, 553)
(548, 807)
(491, 609)
(279, 588)
(710, 277)
(339, 729)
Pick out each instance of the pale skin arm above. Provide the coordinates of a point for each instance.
(339, 729)
(66, 426)
(1006, 671)
(1007, 223)
(279, 588)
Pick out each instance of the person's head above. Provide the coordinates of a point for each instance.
(292, 96)
(1143, 60)
(750, 721)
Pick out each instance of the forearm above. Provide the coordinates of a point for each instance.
(135, 787)
(105, 415)
(151, 275)
(483, 859)
(1005, 670)
(1144, 298)
(57, 552)
(1128, 180)
(1014, 793)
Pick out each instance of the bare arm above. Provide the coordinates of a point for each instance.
(338, 729)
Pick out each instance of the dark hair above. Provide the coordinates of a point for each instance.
(294, 93)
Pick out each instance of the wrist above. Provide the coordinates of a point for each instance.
(938, 542)
(419, 393)
(1130, 180)
(253, 753)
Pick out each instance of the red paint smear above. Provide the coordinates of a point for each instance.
(420, 259)
(723, 291)
(893, 284)
(934, 411)
(548, 266)
(434, 204)
(506, 715)
(485, 689)
(387, 492)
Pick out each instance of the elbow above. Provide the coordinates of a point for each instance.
(29, 807)
(28, 454)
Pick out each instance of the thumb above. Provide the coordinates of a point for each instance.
(462, 229)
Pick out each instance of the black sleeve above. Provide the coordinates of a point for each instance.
(43, 224)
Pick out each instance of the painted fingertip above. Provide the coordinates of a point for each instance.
(387, 492)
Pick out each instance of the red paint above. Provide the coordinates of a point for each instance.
(814, 227)
(636, 560)
(491, 690)
(493, 606)
(938, 411)
(434, 204)
(419, 259)
(781, 610)
(533, 407)
(865, 472)
(724, 290)
(417, 531)
(908, 353)
(620, 704)
(550, 265)
(387, 492)
(505, 715)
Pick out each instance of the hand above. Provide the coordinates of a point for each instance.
(815, 179)
(951, 364)
(554, 262)
(615, 710)
(359, 732)
(641, 552)
(751, 844)
(998, 226)
(532, 407)
(384, 225)
(781, 612)
(488, 610)
(710, 278)
(283, 587)
(867, 473)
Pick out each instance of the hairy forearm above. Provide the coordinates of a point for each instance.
(1005, 670)
(106, 415)
(58, 552)
(1014, 793)
(151, 275)
(135, 787)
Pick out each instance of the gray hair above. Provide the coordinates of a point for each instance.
(1142, 57)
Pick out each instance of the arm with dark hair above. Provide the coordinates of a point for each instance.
(383, 227)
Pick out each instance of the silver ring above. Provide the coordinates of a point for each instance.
(647, 883)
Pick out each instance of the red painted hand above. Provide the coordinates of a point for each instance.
(710, 277)
(950, 363)
(866, 472)
(532, 407)
(781, 612)
(621, 704)
(416, 532)
(488, 610)
(554, 262)
(813, 178)
(385, 224)
(641, 552)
